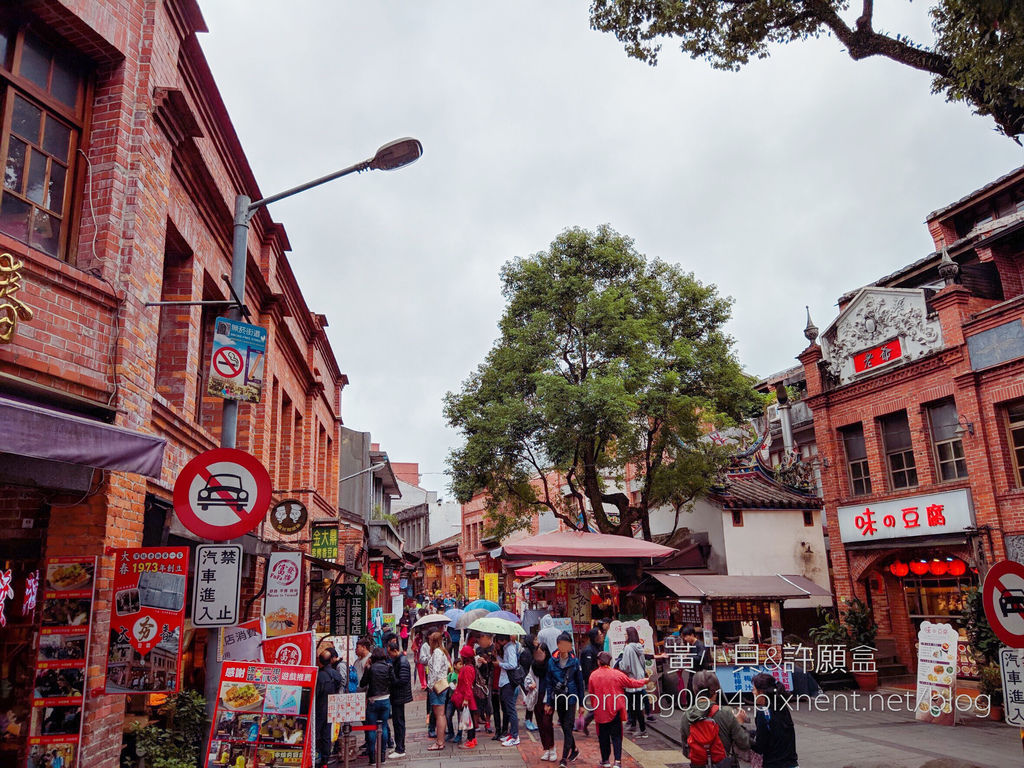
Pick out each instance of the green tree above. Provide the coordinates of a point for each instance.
(977, 55)
(605, 358)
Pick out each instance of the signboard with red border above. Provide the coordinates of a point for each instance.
(147, 619)
(876, 357)
(294, 650)
(263, 716)
(283, 599)
(222, 494)
(1003, 598)
(58, 690)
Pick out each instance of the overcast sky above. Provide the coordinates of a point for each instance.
(789, 183)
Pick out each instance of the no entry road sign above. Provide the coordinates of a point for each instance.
(1003, 598)
(222, 494)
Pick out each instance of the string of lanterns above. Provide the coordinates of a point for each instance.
(948, 566)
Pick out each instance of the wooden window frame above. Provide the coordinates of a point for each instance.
(737, 518)
(77, 118)
(1016, 464)
(951, 442)
(860, 464)
(808, 518)
(902, 453)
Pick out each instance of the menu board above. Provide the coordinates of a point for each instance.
(739, 610)
(58, 692)
(148, 612)
(936, 673)
(284, 591)
(263, 715)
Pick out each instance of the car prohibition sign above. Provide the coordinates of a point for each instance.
(222, 494)
(1003, 598)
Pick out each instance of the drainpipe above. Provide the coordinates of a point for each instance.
(784, 417)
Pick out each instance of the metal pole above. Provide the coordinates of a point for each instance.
(229, 417)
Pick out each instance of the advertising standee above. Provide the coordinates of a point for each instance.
(281, 605)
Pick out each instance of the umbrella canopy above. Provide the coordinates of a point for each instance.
(506, 615)
(431, 619)
(585, 547)
(493, 626)
(537, 569)
(488, 604)
(468, 617)
(453, 614)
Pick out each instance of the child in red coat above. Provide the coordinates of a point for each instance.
(463, 698)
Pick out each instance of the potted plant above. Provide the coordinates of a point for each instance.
(830, 632)
(862, 630)
(991, 684)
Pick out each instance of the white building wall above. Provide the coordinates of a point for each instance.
(704, 517)
(445, 520)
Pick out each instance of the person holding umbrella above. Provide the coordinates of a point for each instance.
(509, 680)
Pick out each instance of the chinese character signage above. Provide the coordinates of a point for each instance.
(1011, 662)
(293, 650)
(284, 590)
(236, 364)
(346, 708)
(876, 357)
(58, 693)
(148, 611)
(936, 673)
(927, 515)
(217, 585)
(11, 309)
(325, 542)
(473, 588)
(579, 604)
(262, 716)
(348, 609)
(242, 642)
(491, 587)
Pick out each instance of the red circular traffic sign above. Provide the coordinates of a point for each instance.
(1003, 598)
(222, 494)
(227, 362)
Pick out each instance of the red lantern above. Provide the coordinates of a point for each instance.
(919, 567)
(957, 568)
(899, 568)
(938, 567)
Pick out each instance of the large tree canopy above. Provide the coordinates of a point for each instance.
(605, 359)
(977, 55)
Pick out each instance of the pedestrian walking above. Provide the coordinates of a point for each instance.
(588, 663)
(564, 692)
(378, 680)
(548, 633)
(774, 734)
(404, 625)
(328, 683)
(421, 652)
(526, 661)
(482, 681)
(607, 693)
(463, 699)
(509, 680)
(633, 664)
(538, 695)
(706, 720)
(401, 694)
(437, 687)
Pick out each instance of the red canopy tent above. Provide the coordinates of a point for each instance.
(585, 547)
(538, 569)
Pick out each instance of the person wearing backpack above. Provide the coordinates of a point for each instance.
(712, 734)
(774, 736)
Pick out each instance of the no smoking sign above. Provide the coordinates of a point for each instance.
(228, 363)
(222, 494)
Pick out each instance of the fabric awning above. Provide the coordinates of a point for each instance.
(585, 547)
(719, 587)
(32, 430)
(472, 566)
(538, 569)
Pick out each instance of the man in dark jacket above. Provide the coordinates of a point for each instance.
(377, 682)
(588, 663)
(401, 694)
(328, 682)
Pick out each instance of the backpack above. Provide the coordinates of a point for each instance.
(353, 681)
(482, 684)
(705, 743)
(516, 675)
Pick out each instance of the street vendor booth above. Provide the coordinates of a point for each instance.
(741, 617)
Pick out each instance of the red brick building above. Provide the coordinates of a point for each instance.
(917, 390)
(121, 171)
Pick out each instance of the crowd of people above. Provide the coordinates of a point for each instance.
(474, 686)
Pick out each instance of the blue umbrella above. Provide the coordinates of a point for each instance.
(506, 615)
(453, 614)
(488, 604)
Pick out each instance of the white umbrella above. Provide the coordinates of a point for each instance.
(431, 619)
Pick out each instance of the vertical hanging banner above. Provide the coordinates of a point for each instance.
(262, 716)
(491, 587)
(58, 693)
(216, 588)
(284, 592)
(147, 619)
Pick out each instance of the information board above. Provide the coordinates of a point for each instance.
(348, 609)
(262, 716)
(237, 360)
(58, 691)
(217, 585)
(936, 673)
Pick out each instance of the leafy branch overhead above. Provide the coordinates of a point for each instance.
(977, 55)
(608, 363)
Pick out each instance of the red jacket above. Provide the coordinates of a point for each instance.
(607, 689)
(463, 693)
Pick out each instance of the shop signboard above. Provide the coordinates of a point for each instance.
(242, 642)
(289, 516)
(294, 650)
(936, 673)
(222, 494)
(282, 602)
(237, 360)
(58, 692)
(473, 588)
(263, 716)
(325, 542)
(491, 587)
(1011, 665)
(737, 679)
(662, 613)
(348, 609)
(562, 595)
(579, 605)
(147, 619)
(217, 585)
(929, 514)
